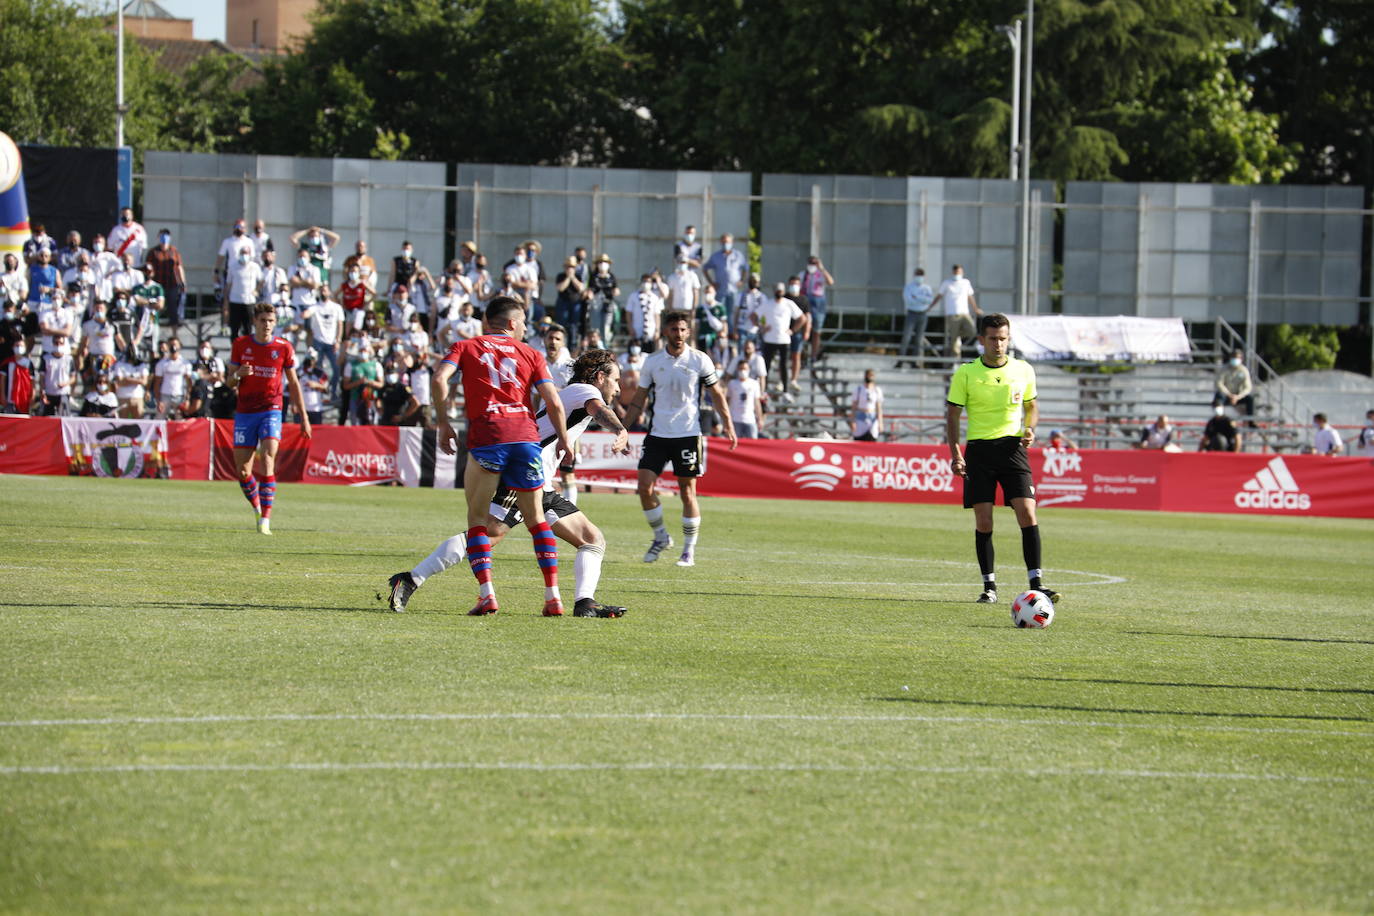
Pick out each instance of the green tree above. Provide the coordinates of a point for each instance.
(524, 81)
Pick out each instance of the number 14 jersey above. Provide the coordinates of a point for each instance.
(498, 374)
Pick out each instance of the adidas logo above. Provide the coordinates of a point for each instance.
(818, 475)
(1273, 488)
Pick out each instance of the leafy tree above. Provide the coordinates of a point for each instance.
(1289, 349)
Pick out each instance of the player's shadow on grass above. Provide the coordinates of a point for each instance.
(1062, 707)
(904, 599)
(1355, 642)
(1102, 680)
(248, 606)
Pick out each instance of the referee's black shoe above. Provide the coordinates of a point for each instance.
(989, 596)
(1048, 593)
(402, 587)
(587, 607)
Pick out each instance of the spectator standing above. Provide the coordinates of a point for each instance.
(688, 249)
(16, 376)
(262, 242)
(399, 312)
(420, 377)
(243, 281)
(128, 237)
(69, 253)
(106, 265)
(416, 338)
(960, 308)
(398, 403)
(39, 240)
(480, 279)
(127, 276)
(325, 321)
(317, 243)
(918, 298)
(364, 382)
(230, 247)
(532, 252)
(1234, 386)
(59, 373)
(355, 297)
(605, 293)
(801, 334)
(524, 279)
(1220, 434)
(745, 327)
(172, 377)
(758, 368)
(11, 327)
(745, 400)
(684, 288)
(80, 277)
(1158, 435)
(361, 261)
(403, 268)
(304, 280)
(164, 267)
(314, 385)
(43, 279)
(776, 320)
(866, 417)
(130, 380)
(643, 307)
(814, 281)
(100, 400)
(570, 284)
(1326, 439)
(14, 283)
(100, 341)
(57, 323)
(713, 334)
(1365, 442)
(149, 299)
(727, 270)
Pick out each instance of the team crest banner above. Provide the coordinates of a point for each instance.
(102, 447)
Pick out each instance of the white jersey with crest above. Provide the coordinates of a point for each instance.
(675, 384)
(575, 398)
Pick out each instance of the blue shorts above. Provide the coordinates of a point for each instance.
(818, 310)
(252, 428)
(520, 464)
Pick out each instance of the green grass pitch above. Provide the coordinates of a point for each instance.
(816, 718)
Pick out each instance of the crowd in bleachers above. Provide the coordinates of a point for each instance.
(98, 330)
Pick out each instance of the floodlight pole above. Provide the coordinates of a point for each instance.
(1013, 33)
(1027, 306)
(119, 74)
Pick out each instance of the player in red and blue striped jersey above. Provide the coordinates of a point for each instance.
(258, 364)
(498, 374)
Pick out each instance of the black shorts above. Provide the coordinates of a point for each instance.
(687, 454)
(503, 506)
(992, 462)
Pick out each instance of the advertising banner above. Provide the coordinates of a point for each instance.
(31, 445)
(349, 454)
(1097, 338)
(101, 447)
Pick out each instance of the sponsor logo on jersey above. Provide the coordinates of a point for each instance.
(1273, 488)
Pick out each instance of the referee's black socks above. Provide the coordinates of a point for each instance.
(982, 541)
(1030, 549)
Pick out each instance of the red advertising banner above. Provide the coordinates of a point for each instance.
(770, 468)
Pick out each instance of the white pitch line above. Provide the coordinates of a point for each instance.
(661, 766)
(658, 717)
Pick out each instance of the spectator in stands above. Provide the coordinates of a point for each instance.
(758, 367)
(14, 283)
(918, 298)
(105, 264)
(632, 358)
(570, 287)
(814, 280)
(130, 380)
(317, 243)
(960, 308)
(777, 320)
(80, 277)
(43, 279)
(1234, 387)
(11, 327)
(304, 279)
(362, 262)
(1158, 435)
(210, 368)
(243, 281)
(262, 242)
(523, 278)
(416, 338)
(149, 300)
(454, 290)
(363, 382)
(1326, 439)
(100, 401)
(744, 397)
(68, 255)
(532, 252)
(38, 240)
(276, 281)
(128, 237)
(164, 267)
(642, 309)
(420, 377)
(480, 278)
(688, 248)
(59, 374)
(315, 385)
(16, 376)
(403, 268)
(866, 415)
(100, 341)
(1220, 434)
(399, 406)
(605, 294)
(325, 321)
(713, 334)
(801, 334)
(463, 327)
(1365, 443)
(399, 312)
(684, 288)
(727, 270)
(122, 315)
(172, 378)
(1061, 442)
(56, 321)
(748, 305)
(230, 247)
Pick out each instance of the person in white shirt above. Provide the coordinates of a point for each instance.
(130, 375)
(83, 275)
(325, 321)
(100, 341)
(866, 417)
(1158, 435)
(745, 398)
(230, 246)
(243, 279)
(100, 401)
(918, 298)
(776, 319)
(399, 312)
(262, 242)
(961, 308)
(314, 385)
(524, 277)
(56, 320)
(749, 303)
(464, 326)
(674, 377)
(128, 237)
(128, 276)
(643, 308)
(1364, 445)
(59, 373)
(304, 280)
(758, 368)
(14, 282)
(105, 263)
(557, 357)
(171, 381)
(276, 282)
(1326, 439)
(684, 288)
(416, 337)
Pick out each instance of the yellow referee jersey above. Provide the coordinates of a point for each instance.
(993, 398)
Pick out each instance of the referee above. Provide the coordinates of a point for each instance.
(995, 389)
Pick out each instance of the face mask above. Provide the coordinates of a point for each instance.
(100, 317)
(98, 247)
(392, 378)
(303, 261)
(1235, 362)
(407, 253)
(646, 287)
(353, 276)
(603, 268)
(206, 353)
(682, 268)
(690, 237)
(811, 268)
(794, 289)
(743, 373)
(520, 258)
(243, 259)
(315, 239)
(102, 387)
(20, 349)
(165, 239)
(728, 246)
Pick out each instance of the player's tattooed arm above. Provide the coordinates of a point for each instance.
(605, 418)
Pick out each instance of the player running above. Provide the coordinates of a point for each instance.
(675, 375)
(498, 373)
(594, 385)
(996, 389)
(257, 364)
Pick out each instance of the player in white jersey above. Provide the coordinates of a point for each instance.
(674, 376)
(586, 399)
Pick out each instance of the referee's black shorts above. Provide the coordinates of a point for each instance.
(991, 462)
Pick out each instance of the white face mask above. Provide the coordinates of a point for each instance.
(811, 268)
(206, 353)
(20, 349)
(98, 247)
(794, 289)
(315, 239)
(392, 378)
(647, 287)
(303, 260)
(353, 276)
(603, 268)
(520, 258)
(690, 237)
(243, 258)
(407, 253)
(728, 246)
(1235, 362)
(682, 268)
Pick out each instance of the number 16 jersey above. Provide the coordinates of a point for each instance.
(498, 374)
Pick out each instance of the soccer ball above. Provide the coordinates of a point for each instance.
(1032, 609)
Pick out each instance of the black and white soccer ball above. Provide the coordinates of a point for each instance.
(1032, 610)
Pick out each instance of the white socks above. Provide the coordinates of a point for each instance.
(449, 553)
(690, 527)
(587, 570)
(654, 517)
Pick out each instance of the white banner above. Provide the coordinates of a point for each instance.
(1097, 339)
(116, 448)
